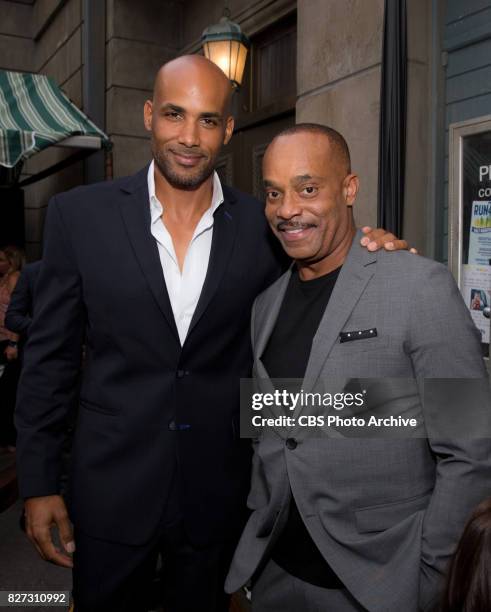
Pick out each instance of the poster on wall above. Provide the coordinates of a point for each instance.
(476, 291)
(475, 238)
(480, 234)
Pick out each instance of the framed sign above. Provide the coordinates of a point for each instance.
(469, 217)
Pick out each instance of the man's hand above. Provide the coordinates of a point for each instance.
(11, 353)
(375, 239)
(42, 513)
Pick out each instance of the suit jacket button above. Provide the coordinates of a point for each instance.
(172, 425)
(181, 373)
(291, 443)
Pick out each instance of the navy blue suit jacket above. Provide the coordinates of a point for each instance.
(147, 405)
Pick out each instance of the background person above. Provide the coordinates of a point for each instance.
(19, 315)
(11, 262)
(468, 584)
(20, 310)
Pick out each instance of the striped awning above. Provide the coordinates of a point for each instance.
(34, 114)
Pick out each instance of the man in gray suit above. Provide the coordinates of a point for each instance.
(350, 523)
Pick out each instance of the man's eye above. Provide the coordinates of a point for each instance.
(310, 190)
(272, 195)
(210, 122)
(172, 115)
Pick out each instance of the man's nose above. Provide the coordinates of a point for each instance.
(289, 207)
(189, 134)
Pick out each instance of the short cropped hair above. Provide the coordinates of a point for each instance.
(336, 140)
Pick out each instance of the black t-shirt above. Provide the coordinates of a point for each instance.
(286, 356)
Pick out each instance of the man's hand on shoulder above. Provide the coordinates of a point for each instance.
(375, 239)
(43, 513)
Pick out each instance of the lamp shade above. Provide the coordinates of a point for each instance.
(226, 46)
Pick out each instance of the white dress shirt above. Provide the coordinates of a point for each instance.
(183, 288)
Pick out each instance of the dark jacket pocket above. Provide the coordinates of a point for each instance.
(93, 407)
(384, 516)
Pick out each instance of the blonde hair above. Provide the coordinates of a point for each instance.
(15, 257)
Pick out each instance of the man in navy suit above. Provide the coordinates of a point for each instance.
(157, 273)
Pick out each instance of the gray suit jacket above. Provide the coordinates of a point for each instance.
(385, 513)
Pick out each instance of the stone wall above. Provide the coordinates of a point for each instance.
(58, 44)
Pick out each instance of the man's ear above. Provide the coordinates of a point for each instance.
(351, 184)
(147, 115)
(229, 130)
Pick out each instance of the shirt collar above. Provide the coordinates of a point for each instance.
(156, 206)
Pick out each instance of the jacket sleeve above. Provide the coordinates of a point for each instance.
(17, 318)
(445, 344)
(49, 381)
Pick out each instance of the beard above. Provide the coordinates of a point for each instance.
(186, 179)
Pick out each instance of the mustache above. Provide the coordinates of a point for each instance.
(292, 225)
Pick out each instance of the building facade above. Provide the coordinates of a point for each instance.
(311, 60)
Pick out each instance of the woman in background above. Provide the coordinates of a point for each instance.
(468, 586)
(11, 262)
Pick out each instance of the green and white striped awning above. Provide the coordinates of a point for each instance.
(35, 114)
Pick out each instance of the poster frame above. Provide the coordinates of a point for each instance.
(457, 132)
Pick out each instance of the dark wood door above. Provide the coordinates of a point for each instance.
(241, 160)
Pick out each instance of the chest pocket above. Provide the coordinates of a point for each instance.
(366, 343)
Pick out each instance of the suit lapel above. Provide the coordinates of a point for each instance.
(354, 276)
(224, 233)
(135, 210)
